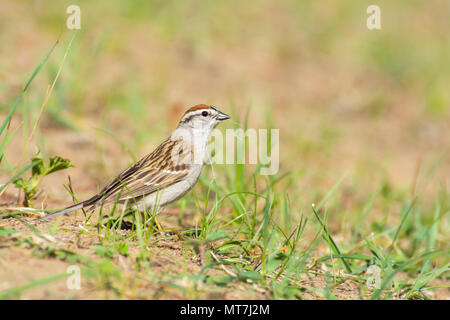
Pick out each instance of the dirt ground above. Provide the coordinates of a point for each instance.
(19, 266)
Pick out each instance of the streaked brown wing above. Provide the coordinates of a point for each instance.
(154, 172)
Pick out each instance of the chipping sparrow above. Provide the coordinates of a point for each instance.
(166, 174)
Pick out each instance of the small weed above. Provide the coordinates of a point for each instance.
(39, 169)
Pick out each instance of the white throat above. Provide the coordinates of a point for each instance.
(196, 138)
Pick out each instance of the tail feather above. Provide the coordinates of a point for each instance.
(90, 204)
(64, 211)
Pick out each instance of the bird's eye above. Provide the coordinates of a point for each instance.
(204, 113)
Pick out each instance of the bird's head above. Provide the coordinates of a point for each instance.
(202, 117)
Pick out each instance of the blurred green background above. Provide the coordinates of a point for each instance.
(374, 102)
(345, 97)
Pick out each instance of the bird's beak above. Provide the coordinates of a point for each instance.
(222, 116)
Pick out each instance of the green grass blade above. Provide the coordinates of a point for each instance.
(18, 174)
(6, 140)
(330, 193)
(405, 215)
(15, 292)
(19, 98)
(329, 240)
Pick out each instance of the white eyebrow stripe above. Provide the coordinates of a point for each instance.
(192, 114)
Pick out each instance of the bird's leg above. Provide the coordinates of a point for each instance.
(153, 213)
(148, 215)
(161, 230)
(145, 216)
(156, 211)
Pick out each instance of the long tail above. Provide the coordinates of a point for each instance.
(69, 209)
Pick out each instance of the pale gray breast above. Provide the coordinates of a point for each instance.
(194, 173)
